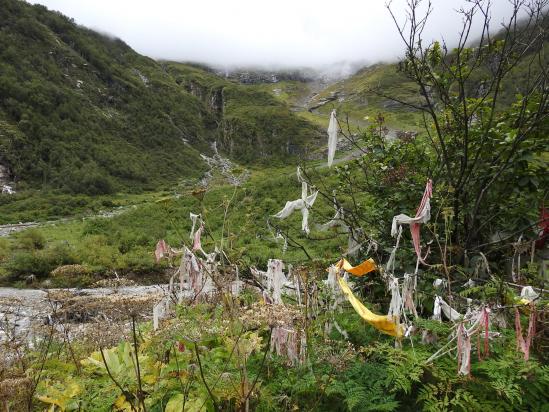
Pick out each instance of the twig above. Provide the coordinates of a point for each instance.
(261, 367)
(203, 378)
(135, 347)
(126, 393)
(185, 389)
(42, 365)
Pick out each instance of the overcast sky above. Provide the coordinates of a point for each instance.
(256, 32)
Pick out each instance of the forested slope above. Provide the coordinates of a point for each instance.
(84, 112)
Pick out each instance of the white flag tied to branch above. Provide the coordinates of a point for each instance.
(333, 130)
(304, 204)
(337, 220)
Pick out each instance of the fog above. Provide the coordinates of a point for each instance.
(283, 33)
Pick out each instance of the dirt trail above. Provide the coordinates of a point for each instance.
(10, 228)
(6, 230)
(315, 88)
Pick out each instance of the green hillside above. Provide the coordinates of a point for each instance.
(83, 112)
(355, 97)
(383, 88)
(253, 124)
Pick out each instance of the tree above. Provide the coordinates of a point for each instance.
(485, 148)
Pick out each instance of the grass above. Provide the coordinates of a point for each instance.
(321, 120)
(41, 206)
(291, 92)
(125, 243)
(361, 103)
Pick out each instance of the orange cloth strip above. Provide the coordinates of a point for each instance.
(365, 267)
(383, 323)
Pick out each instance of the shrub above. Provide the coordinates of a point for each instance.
(98, 226)
(95, 252)
(4, 249)
(40, 262)
(32, 239)
(90, 180)
(75, 275)
(28, 263)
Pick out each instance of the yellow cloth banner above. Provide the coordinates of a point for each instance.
(365, 267)
(382, 323)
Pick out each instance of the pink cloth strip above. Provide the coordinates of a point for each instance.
(415, 227)
(486, 315)
(197, 245)
(524, 344)
(161, 250)
(463, 351)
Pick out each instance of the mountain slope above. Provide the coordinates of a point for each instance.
(354, 97)
(382, 87)
(253, 123)
(84, 112)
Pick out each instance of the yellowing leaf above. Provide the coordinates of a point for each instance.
(175, 404)
(60, 398)
(121, 404)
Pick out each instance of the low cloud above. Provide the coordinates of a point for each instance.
(284, 33)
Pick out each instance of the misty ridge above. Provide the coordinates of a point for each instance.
(274, 73)
(314, 38)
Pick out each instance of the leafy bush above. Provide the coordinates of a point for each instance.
(68, 271)
(90, 182)
(32, 239)
(98, 226)
(41, 262)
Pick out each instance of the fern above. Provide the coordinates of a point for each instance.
(405, 368)
(503, 378)
(355, 397)
(440, 328)
(442, 397)
(536, 384)
(363, 388)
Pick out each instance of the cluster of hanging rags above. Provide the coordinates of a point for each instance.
(193, 277)
(274, 283)
(286, 340)
(309, 195)
(290, 343)
(195, 280)
(475, 322)
(306, 202)
(402, 290)
(388, 324)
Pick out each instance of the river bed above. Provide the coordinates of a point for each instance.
(27, 313)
